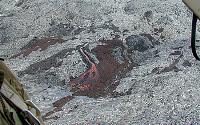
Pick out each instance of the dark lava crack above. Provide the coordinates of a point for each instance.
(57, 107)
(48, 63)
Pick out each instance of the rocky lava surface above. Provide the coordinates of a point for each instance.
(107, 62)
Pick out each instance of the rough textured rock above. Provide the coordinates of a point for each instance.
(139, 43)
(163, 88)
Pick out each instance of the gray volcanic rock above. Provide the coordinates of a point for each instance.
(139, 48)
(60, 30)
(162, 89)
(2, 35)
(139, 43)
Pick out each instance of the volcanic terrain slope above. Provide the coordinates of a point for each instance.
(105, 62)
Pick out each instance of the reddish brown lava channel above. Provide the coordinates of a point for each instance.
(101, 79)
(41, 44)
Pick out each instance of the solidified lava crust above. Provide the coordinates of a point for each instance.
(57, 107)
(101, 79)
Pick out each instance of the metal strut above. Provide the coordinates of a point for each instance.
(193, 37)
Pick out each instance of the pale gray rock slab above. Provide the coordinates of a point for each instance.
(164, 86)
